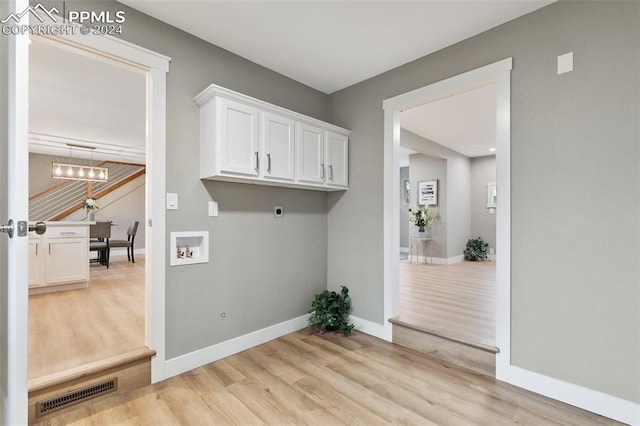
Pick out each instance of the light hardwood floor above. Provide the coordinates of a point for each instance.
(72, 328)
(455, 300)
(329, 379)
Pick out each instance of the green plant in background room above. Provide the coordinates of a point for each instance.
(476, 249)
(330, 311)
(422, 218)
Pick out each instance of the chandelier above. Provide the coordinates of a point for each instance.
(79, 171)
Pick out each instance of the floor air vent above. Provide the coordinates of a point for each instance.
(75, 397)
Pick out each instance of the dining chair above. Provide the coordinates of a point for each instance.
(128, 243)
(99, 234)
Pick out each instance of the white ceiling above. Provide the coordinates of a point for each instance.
(465, 123)
(80, 99)
(327, 45)
(330, 45)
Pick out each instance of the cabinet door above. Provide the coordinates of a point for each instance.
(237, 138)
(67, 260)
(337, 160)
(310, 149)
(35, 263)
(278, 137)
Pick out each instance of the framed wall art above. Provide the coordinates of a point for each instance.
(428, 193)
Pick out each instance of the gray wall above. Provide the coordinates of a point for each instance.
(483, 224)
(421, 168)
(575, 174)
(454, 227)
(458, 192)
(40, 172)
(262, 270)
(257, 276)
(404, 210)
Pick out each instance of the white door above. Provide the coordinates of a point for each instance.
(337, 159)
(14, 179)
(310, 149)
(278, 138)
(238, 143)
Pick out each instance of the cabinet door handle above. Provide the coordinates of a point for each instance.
(36, 249)
(257, 160)
(322, 170)
(330, 171)
(67, 233)
(269, 163)
(49, 248)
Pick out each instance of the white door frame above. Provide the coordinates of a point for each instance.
(498, 73)
(15, 401)
(156, 66)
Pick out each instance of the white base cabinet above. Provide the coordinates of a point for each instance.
(243, 139)
(59, 258)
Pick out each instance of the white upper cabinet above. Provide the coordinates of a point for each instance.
(243, 139)
(337, 159)
(278, 147)
(238, 138)
(310, 147)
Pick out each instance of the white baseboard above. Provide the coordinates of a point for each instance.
(588, 399)
(205, 356)
(404, 249)
(437, 260)
(369, 327)
(122, 251)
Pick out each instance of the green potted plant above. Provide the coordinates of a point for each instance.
(330, 311)
(476, 249)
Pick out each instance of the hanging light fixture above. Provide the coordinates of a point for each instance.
(78, 171)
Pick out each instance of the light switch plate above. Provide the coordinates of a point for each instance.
(565, 63)
(172, 201)
(278, 211)
(213, 208)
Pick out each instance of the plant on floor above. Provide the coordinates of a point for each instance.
(330, 311)
(476, 249)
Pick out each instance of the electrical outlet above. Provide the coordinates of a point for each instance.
(278, 211)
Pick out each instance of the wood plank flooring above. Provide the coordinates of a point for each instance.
(72, 328)
(455, 300)
(329, 379)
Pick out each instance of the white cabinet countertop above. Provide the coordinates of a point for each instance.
(67, 223)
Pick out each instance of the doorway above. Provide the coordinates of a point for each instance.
(451, 147)
(499, 74)
(156, 67)
(85, 109)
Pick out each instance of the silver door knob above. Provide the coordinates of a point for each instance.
(8, 228)
(40, 228)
